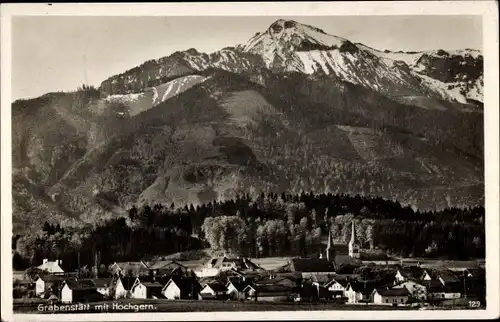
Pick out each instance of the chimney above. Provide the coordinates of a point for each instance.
(59, 261)
(45, 260)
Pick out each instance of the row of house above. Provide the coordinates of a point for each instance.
(302, 279)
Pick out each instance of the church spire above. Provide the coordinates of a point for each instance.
(329, 247)
(353, 245)
(353, 233)
(330, 240)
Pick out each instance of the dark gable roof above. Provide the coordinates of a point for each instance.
(102, 282)
(346, 260)
(432, 273)
(414, 272)
(310, 265)
(152, 284)
(343, 279)
(130, 266)
(51, 278)
(448, 276)
(455, 287)
(166, 265)
(364, 288)
(80, 285)
(128, 282)
(239, 285)
(270, 290)
(294, 276)
(185, 285)
(278, 280)
(432, 286)
(393, 292)
(321, 278)
(217, 287)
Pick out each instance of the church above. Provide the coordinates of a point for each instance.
(353, 245)
(332, 260)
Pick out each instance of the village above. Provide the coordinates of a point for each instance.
(329, 278)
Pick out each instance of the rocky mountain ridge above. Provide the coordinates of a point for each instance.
(294, 109)
(288, 46)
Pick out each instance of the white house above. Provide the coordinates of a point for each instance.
(408, 273)
(395, 296)
(171, 290)
(235, 289)
(181, 288)
(359, 292)
(66, 294)
(79, 290)
(213, 290)
(46, 283)
(123, 286)
(51, 267)
(437, 291)
(417, 290)
(146, 290)
(336, 286)
(426, 276)
(267, 293)
(103, 285)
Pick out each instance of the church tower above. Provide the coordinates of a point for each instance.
(330, 253)
(353, 245)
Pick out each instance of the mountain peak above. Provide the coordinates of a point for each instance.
(281, 25)
(285, 37)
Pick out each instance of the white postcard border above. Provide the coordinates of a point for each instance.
(489, 11)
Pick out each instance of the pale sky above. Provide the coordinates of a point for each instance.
(55, 53)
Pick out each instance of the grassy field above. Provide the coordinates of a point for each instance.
(271, 263)
(135, 305)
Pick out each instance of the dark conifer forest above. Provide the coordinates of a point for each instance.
(270, 225)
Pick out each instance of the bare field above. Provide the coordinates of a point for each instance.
(270, 263)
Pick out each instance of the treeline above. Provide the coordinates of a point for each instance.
(270, 225)
(284, 225)
(123, 239)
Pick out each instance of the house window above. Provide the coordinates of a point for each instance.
(401, 300)
(386, 301)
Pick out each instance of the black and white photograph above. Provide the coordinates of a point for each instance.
(213, 160)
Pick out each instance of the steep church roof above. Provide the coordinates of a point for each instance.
(353, 234)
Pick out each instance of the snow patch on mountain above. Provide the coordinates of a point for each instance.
(448, 91)
(135, 103)
(168, 90)
(284, 37)
(127, 98)
(288, 46)
(291, 46)
(409, 58)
